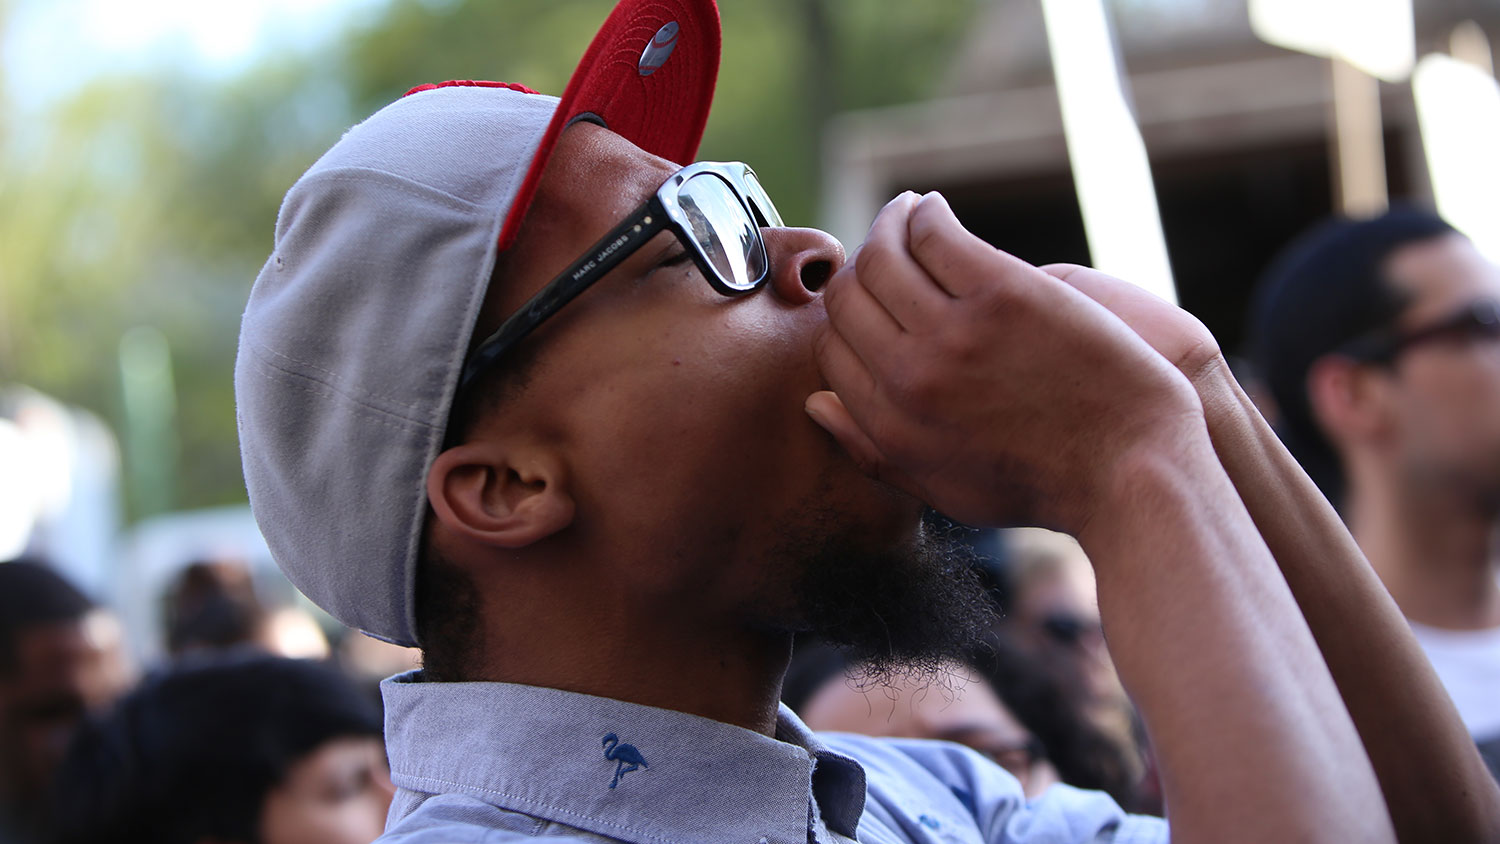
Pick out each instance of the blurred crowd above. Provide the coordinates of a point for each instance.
(253, 728)
(1376, 350)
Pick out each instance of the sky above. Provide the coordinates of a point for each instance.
(50, 47)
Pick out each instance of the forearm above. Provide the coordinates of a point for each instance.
(1435, 785)
(1253, 741)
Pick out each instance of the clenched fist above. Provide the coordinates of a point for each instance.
(992, 390)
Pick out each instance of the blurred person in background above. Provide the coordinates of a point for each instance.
(1055, 677)
(212, 607)
(1380, 340)
(956, 703)
(1084, 754)
(61, 656)
(250, 749)
(1050, 612)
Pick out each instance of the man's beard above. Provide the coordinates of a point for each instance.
(900, 610)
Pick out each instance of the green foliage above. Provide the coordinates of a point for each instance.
(150, 199)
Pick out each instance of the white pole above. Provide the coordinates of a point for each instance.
(1110, 171)
(1358, 142)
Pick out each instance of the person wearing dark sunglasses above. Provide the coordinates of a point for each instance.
(1381, 342)
(524, 386)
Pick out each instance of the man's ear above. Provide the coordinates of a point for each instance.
(1350, 401)
(498, 495)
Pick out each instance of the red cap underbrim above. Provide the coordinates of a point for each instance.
(659, 102)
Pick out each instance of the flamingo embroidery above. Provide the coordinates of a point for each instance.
(625, 757)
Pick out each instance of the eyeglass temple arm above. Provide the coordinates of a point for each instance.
(1384, 346)
(1370, 348)
(606, 254)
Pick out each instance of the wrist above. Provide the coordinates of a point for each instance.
(1166, 471)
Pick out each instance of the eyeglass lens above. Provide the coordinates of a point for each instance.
(762, 200)
(719, 223)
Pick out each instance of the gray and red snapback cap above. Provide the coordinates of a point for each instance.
(357, 327)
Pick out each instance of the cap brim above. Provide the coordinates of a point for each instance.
(653, 91)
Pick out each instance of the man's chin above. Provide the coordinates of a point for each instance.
(890, 594)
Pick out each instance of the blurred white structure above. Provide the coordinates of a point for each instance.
(1458, 105)
(1365, 39)
(1376, 36)
(1110, 170)
(59, 488)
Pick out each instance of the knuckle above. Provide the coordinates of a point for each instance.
(932, 230)
(925, 236)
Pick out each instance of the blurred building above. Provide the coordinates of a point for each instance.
(1238, 133)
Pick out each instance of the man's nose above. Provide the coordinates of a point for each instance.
(802, 261)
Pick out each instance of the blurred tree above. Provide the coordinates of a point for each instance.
(149, 199)
(790, 64)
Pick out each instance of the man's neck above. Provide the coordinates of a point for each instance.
(1434, 550)
(735, 679)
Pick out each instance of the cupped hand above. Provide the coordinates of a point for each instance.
(992, 390)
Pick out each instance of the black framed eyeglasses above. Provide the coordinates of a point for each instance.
(716, 210)
(1479, 319)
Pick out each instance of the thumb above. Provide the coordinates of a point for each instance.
(827, 409)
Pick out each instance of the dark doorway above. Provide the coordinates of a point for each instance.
(1226, 214)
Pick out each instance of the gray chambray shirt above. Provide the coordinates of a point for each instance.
(495, 762)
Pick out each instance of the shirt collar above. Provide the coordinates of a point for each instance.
(614, 768)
